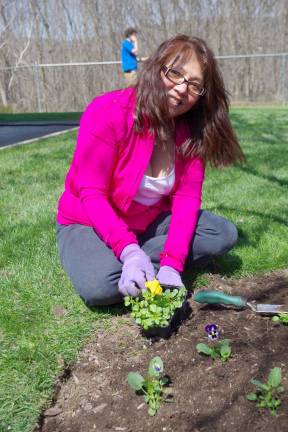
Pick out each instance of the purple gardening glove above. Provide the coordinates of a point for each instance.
(169, 276)
(137, 269)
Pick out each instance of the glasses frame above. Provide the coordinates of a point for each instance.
(166, 70)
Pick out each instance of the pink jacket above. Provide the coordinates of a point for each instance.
(109, 162)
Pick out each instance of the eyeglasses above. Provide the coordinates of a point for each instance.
(177, 78)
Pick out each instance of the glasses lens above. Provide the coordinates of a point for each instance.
(175, 76)
(194, 89)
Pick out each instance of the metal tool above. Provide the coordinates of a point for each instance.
(218, 297)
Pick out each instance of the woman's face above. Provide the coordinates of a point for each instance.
(180, 98)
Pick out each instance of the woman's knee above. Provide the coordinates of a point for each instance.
(215, 235)
(90, 264)
(227, 237)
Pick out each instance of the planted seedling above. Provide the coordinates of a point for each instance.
(221, 350)
(153, 387)
(267, 395)
(155, 306)
(281, 318)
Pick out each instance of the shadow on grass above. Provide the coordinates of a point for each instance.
(227, 265)
(266, 223)
(114, 310)
(271, 178)
(255, 131)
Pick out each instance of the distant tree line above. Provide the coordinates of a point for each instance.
(57, 31)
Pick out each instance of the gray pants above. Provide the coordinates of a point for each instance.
(95, 271)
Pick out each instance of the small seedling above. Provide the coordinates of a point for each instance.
(220, 350)
(281, 318)
(153, 387)
(267, 395)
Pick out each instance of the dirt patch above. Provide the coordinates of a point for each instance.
(207, 395)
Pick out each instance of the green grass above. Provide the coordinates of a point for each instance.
(43, 323)
(22, 117)
(255, 196)
(35, 339)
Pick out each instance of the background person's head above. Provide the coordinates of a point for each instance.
(130, 33)
(206, 112)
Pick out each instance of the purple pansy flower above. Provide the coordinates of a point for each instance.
(213, 332)
(157, 368)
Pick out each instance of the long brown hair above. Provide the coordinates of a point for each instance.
(212, 137)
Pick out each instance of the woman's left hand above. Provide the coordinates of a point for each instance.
(169, 276)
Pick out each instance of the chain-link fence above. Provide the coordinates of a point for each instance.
(257, 78)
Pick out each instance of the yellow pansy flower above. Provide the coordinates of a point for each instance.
(154, 287)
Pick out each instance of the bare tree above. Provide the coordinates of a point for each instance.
(91, 30)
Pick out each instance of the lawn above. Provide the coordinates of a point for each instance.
(42, 322)
(30, 117)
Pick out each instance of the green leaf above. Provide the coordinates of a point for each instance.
(225, 351)
(275, 376)
(265, 387)
(204, 349)
(275, 318)
(155, 367)
(215, 354)
(152, 411)
(127, 301)
(277, 402)
(284, 318)
(152, 402)
(153, 308)
(135, 380)
(262, 404)
(252, 396)
(257, 383)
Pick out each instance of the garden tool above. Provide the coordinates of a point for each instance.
(220, 298)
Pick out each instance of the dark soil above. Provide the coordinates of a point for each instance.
(208, 396)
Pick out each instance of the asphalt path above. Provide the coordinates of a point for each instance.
(13, 133)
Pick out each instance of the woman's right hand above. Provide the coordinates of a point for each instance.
(169, 276)
(137, 269)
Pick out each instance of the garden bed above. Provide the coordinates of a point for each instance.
(207, 395)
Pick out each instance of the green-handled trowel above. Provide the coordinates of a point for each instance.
(220, 298)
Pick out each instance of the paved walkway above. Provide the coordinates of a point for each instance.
(15, 133)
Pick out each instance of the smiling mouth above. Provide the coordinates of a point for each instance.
(175, 102)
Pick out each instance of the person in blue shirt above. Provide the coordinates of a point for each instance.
(129, 55)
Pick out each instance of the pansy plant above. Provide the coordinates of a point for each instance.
(153, 386)
(155, 307)
(216, 348)
(267, 395)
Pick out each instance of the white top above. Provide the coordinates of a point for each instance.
(152, 189)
